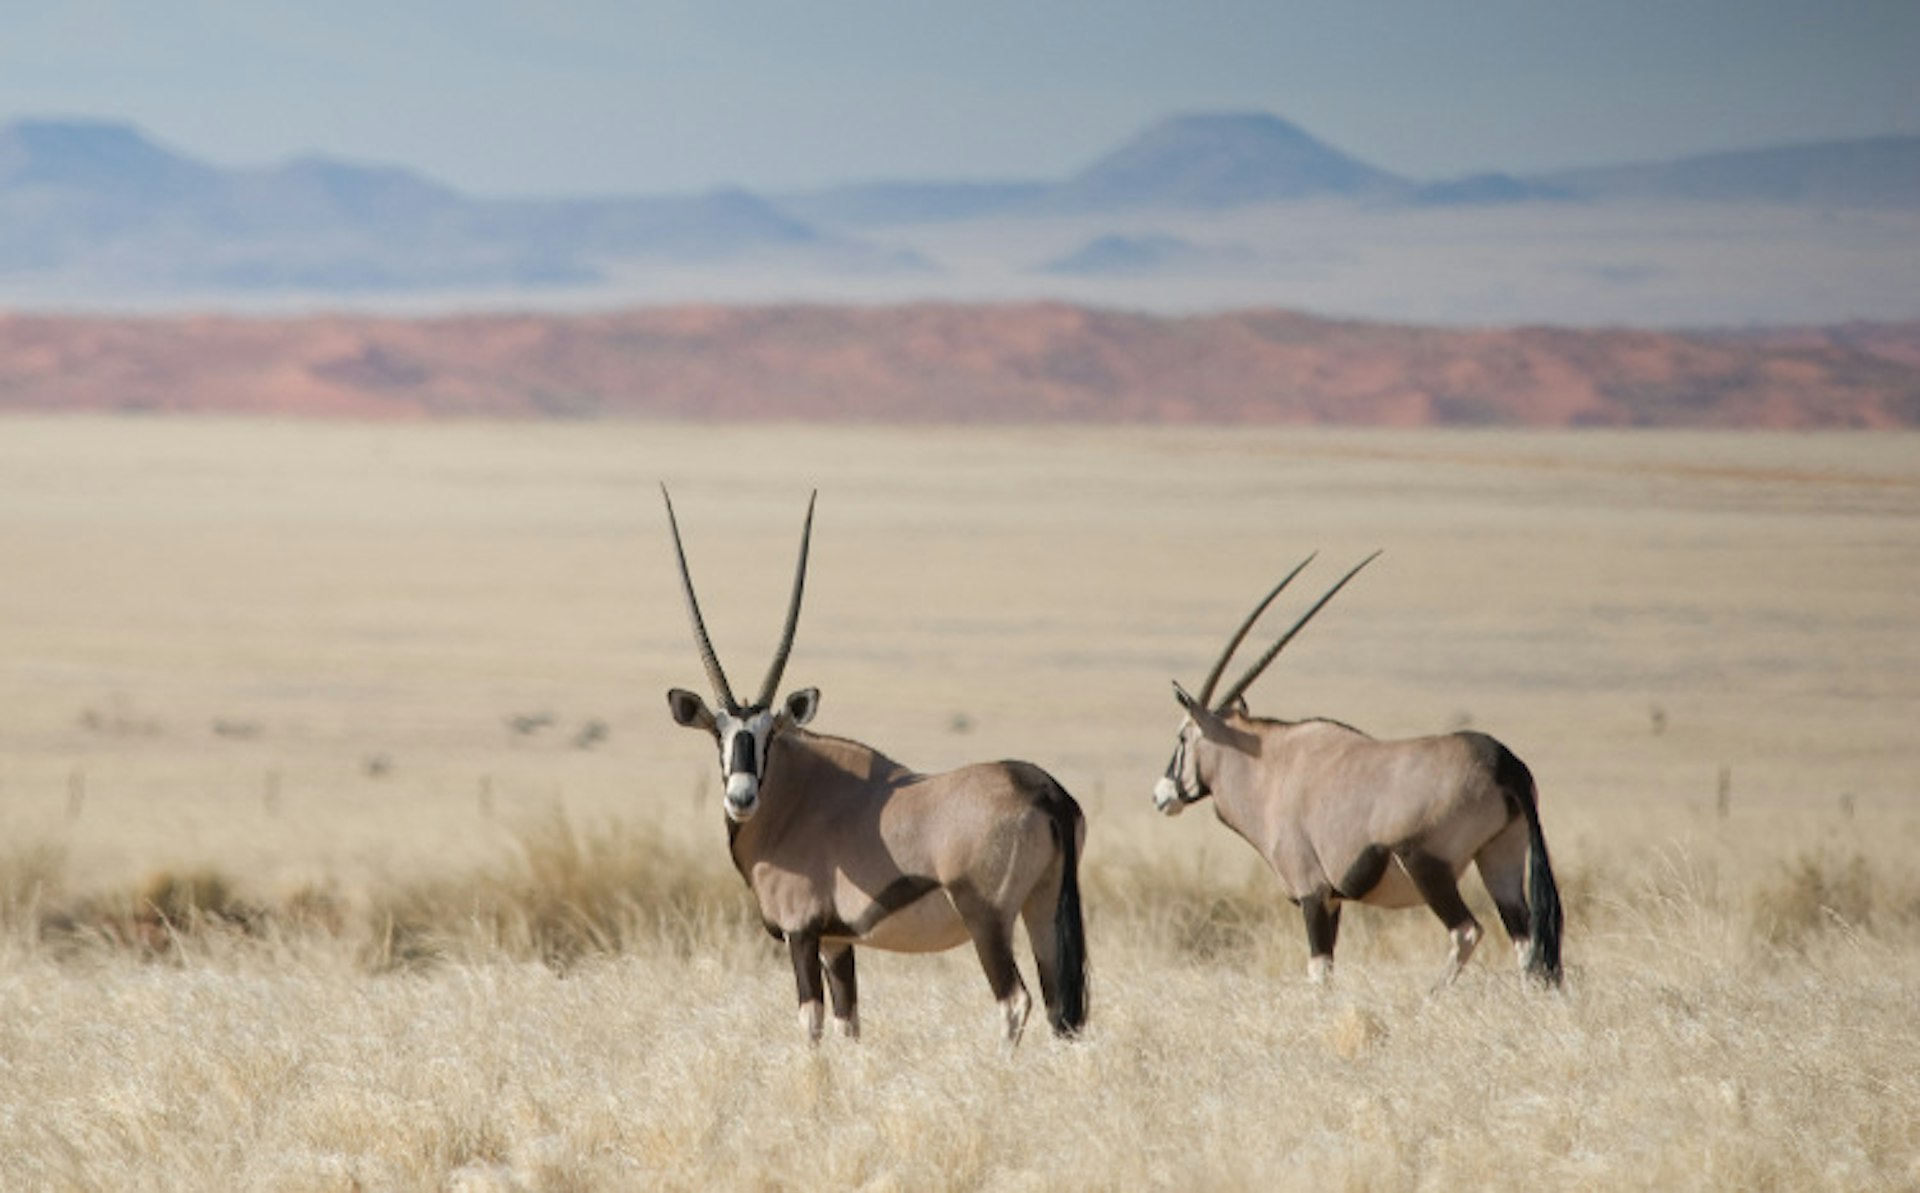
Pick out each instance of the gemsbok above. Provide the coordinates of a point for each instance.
(1341, 817)
(843, 847)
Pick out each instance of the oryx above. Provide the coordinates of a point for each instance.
(1342, 817)
(843, 846)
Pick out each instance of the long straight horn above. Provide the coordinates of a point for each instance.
(715, 675)
(1233, 644)
(1253, 673)
(769, 688)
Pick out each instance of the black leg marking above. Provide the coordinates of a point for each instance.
(840, 981)
(805, 948)
(1437, 885)
(1514, 918)
(992, 940)
(1322, 910)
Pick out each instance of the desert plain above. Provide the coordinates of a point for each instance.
(345, 841)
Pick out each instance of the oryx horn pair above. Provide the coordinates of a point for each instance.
(715, 674)
(1252, 673)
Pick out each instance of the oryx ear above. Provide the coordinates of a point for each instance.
(1211, 726)
(801, 706)
(1236, 707)
(689, 710)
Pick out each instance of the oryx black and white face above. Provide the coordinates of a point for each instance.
(1183, 783)
(745, 733)
(745, 739)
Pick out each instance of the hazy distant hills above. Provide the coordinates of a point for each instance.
(1878, 172)
(1196, 212)
(100, 203)
(934, 363)
(1216, 162)
(1211, 162)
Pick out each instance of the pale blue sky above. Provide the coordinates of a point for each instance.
(600, 96)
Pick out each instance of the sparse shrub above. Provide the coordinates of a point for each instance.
(525, 724)
(590, 735)
(153, 918)
(1811, 894)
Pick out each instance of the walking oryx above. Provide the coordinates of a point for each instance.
(843, 846)
(1341, 817)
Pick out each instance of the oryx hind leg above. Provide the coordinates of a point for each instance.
(992, 933)
(1056, 927)
(1434, 877)
(1043, 935)
(842, 988)
(1502, 863)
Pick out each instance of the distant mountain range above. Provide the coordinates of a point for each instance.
(96, 208)
(1218, 162)
(939, 363)
(98, 203)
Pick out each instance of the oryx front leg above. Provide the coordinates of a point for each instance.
(1438, 886)
(841, 986)
(805, 948)
(1322, 910)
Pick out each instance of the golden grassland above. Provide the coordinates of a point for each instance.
(345, 842)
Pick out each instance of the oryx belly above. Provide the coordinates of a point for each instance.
(929, 924)
(905, 914)
(1394, 889)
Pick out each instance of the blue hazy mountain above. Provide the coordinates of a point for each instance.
(1150, 253)
(1219, 161)
(100, 203)
(1205, 163)
(1480, 189)
(878, 204)
(1875, 172)
(96, 207)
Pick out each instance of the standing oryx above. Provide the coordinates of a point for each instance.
(1341, 817)
(843, 846)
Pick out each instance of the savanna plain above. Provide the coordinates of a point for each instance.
(346, 842)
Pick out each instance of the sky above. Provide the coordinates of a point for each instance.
(573, 97)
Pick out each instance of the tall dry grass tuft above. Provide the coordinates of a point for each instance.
(30, 878)
(565, 893)
(152, 920)
(1172, 904)
(1810, 894)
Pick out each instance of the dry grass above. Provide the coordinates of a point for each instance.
(503, 959)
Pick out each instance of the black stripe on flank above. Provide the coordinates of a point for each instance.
(1365, 873)
(901, 893)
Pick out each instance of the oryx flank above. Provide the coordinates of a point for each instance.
(843, 846)
(1344, 818)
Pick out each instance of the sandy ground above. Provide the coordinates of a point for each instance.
(297, 652)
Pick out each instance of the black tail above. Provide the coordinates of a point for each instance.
(1069, 1014)
(1543, 895)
